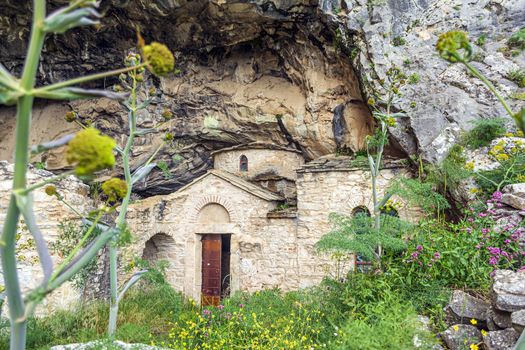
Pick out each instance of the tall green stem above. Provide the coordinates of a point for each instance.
(121, 220)
(23, 125)
(490, 87)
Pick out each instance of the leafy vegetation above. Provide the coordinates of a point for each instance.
(325, 316)
(359, 235)
(517, 76)
(483, 132)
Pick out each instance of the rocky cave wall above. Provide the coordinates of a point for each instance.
(258, 71)
(287, 71)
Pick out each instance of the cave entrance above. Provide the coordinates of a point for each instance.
(215, 268)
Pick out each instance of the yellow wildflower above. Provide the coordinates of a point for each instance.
(455, 327)
(115, 189)
(390, 121)
(474, 347)
(70, 116)
(51, 190)
(502, 157)
(159, 58)
(473, 321)
(449, 44)
(484, 332)
(89, 152)
(167, 114)
(469, 166)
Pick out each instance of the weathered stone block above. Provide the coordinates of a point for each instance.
(500, 340)
(463, 307)
(460, 336)
(508, 290)
(514, 195)
(518, 320)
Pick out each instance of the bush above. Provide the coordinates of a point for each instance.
(484, 131)
(461, 255)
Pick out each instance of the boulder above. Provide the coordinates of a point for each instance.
(508, 290)
(514, 195)
(461, 336)
(518, 320)
(498, 320)
(463, 307)
(500, 340)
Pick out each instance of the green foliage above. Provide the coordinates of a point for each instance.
(319, 317)
(450, 172)
(413, 78)
(69, 236)
(480, 41)
(394, 327)
(517, 40)
(459, 255)
(142, 313)
(358, 235)
(511, 170)
(483, 132)
(164, 167)
(176, 159)
(517, 76)
(40, 165)
(421, 194)
(373, 313)
(399, 41)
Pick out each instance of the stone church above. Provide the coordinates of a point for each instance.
(252, 221)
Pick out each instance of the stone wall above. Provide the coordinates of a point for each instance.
(260, 161)
(333, 187)
(263, 251)
(49, 212)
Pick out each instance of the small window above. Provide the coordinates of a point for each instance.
(361, 210)
(243, 164)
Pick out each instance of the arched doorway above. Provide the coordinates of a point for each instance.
(215, 263)
(158, 247)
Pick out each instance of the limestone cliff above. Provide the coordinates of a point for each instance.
(292, 72)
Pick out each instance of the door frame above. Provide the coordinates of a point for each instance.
(193, 262)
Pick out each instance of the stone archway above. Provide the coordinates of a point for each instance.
(160, 247)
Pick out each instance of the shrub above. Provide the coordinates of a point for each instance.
(462, 255)
(517, 76)
(358, 235)
(517, 40)
(483, 132)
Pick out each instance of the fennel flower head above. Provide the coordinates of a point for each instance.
(451, 43)
(159, 58)
(50, 190)
(89, 151)
(115, 189)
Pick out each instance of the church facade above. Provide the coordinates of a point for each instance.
(252, 221)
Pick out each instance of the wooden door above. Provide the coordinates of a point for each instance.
(211, 270)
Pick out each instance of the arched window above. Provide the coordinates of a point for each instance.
(361, 210)
(243, 163)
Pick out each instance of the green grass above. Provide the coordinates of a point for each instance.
(329, 316)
